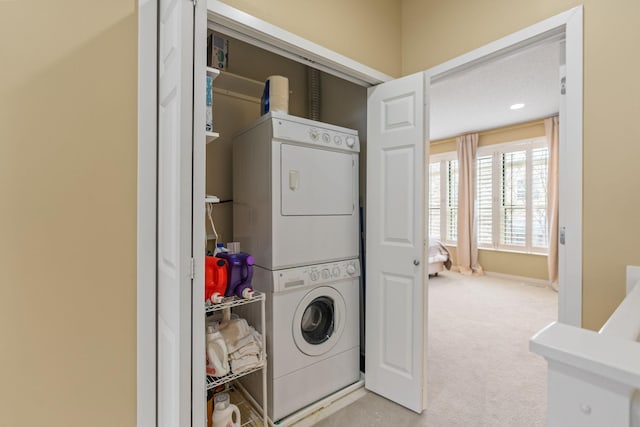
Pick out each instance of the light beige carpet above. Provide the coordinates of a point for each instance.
(480, 370)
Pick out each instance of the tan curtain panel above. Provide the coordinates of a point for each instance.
(467, 240)
(552, 133)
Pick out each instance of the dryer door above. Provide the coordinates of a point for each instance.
(319, 321)
(316, 182)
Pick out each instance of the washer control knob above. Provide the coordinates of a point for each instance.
(335, 272)
(313, 275)
(337, 139)
(313, 133)
(326, 138)
(351, 141)
(325, 273)
(351, 269)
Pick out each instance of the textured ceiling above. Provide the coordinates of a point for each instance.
(479, 98)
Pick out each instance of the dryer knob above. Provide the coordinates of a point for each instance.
(325, 273)
(351, 141)
(313, 275)
(313, 133)
(335, 272)
(351, 270)
(326, 138)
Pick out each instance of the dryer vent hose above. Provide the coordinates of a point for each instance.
(313, 79)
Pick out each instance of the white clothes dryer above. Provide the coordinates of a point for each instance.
(312, 327)
(295, 191)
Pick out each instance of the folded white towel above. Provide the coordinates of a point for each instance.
(234, 330)
(245, 363)
(246, 345)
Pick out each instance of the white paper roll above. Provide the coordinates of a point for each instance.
(278, 94)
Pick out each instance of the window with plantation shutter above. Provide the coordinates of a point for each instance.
(511, 196)
(443, 198)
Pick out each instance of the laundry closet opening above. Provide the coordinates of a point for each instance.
(313, 94)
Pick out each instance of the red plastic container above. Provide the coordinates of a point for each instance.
(215, 279)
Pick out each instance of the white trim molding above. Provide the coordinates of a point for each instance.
(238, 24)
(541, 283)
(147, 209)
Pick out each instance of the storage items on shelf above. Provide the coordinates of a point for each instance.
(227, 274)
(244, 345)
(217, 353)
(239, 274)
(232, 346)
(225, 413)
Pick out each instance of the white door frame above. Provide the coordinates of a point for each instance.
(568, 23)
(147, 211)
(280, 41)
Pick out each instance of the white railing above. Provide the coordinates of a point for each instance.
(594, 377)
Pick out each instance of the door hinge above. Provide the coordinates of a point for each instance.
(563, 233)
(563, 85)
(195, 2)
(193, 268)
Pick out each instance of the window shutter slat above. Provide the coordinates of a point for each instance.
(452, 200)
(513, 219)
(484, 199)
(539, 176)
(434, 200)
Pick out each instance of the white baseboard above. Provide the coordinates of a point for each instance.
(529, 280)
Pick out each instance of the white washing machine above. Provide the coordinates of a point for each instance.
(295, 191)
(312, 329)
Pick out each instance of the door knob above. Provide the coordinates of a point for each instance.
(416, 262)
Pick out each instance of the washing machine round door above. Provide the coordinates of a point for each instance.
(319, 321)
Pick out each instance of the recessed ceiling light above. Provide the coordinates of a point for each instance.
(517, 106)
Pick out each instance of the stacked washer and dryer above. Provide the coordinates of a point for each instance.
(295, 192)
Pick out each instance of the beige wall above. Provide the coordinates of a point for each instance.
(611, 109)
(367, 31)
(513, 263)
(68, 213)
(68, 172)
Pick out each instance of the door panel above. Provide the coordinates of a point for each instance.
(316, 182)
(175, 139)
(396, 293)
(398, 175)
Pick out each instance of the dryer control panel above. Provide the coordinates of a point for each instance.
(309, 132)
(313, 275)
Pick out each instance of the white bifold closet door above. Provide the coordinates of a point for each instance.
(175, 204)
(396, 309)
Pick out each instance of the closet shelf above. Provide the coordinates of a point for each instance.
(213, 72)
(216, 381)
(237, 84)
(234, 302)
(212, 136)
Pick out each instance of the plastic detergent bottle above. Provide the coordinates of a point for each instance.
(215, 279)
(239, 274)
(223, 411)
(217, 355)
